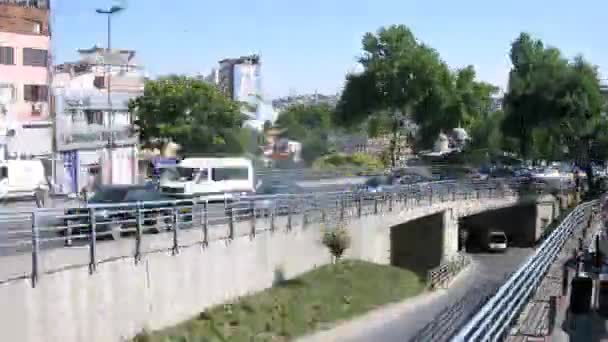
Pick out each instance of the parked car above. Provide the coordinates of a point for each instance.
(158, 211)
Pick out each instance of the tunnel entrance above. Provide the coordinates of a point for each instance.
(417, 245)
(517, 222)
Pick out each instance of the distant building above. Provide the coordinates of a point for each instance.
(241, 80)
(496, 103)
(281, 104)
(94, 132)
(25, 38)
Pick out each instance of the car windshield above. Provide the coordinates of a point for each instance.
(109, 196)
(498, 238)
(179, 174)
(143, 195)
(375, 182)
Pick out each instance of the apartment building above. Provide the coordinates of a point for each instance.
(94, 128)
(25, 38)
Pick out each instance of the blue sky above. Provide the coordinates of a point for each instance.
(309, 45)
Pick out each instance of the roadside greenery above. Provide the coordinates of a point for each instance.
(355, 161)
(189, 112)
(293, 308)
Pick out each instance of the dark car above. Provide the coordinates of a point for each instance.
(157, 209)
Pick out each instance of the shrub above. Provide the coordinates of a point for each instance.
(348, 161)
(337, 241)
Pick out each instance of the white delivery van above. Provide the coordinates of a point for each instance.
(21, 178)
(212, 179)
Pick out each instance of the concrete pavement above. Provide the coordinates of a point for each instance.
(400, 322)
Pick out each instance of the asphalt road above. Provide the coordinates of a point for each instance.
(485, 269)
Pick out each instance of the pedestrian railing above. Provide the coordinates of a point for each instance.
(442, 275)
(493, 321)
(37, 231)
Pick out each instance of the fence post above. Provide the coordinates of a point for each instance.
(375, 205)
(431, 195)
(138, 231)
(453, 194)
(341, 209)
(205, 223)
(359, 206)
(35, 248)
(93, 242)
(304, 216)
(175, 249)
(271, 214)
(253, 218)
(390, 202)
(231, 223)
(289, 213)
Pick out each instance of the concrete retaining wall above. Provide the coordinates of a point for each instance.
(121, 298)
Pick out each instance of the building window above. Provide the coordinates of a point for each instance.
(99, 82)
(36, 27)
(35, 93)
(7, 93)
(94, 117)
(7, 55)
(35, 57)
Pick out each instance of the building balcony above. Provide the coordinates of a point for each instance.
(41, 4)
(92, 138)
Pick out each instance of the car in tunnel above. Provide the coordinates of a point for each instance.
(496, 241)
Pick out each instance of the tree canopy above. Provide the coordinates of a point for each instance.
(310, 125)
(405, 78)
(189, 112)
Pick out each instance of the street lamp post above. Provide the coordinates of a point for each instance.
(109, 12)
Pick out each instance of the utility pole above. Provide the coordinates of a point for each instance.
(109, 12)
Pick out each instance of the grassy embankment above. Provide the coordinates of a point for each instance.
(293, 308)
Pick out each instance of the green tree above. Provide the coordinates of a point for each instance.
(310, 125)
(399, 72)
(554, 102)
(189, 112)
(533, 93)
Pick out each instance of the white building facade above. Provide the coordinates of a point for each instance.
(94, 137)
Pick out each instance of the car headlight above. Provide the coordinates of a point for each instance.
(103, 213)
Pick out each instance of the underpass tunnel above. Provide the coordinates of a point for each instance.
(518, 222)
(418, 245)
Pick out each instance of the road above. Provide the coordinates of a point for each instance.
(16, 217)
(401, 322)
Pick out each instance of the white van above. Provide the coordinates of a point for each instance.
(21, 178)
(213, 179)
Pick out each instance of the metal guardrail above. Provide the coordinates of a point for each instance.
(446, 324)
(493, 321)
(34, 231)
(440, 276)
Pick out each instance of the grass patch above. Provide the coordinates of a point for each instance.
(295, 307)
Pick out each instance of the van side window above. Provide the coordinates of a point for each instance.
(203, 176)
(3, 172)
(232, 173)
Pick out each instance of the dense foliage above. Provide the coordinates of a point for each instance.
(191, 113)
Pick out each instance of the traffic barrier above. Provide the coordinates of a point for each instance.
(493, 321)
